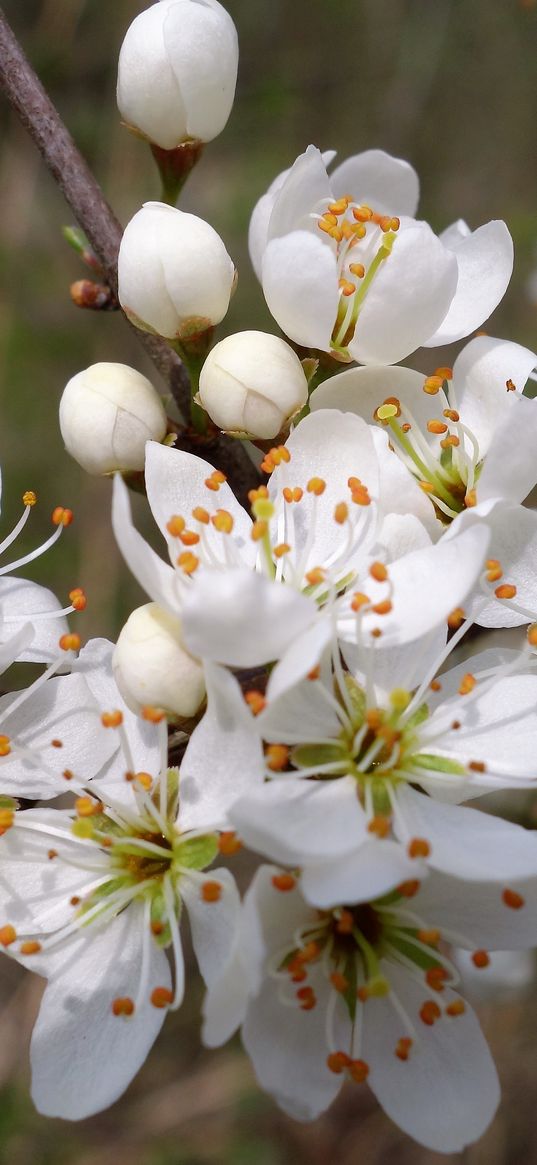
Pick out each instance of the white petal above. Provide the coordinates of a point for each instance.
(485, 263)
(408, 299)
(288, 1050)
(202, 49)
(155, 576)
(480, 375)
(400, 667)
(83, 1057)
(306, 188)
(465, 842)
(388, 185)
(399, 491)
(447, 1091)
(293, 820)
(299, 278)
(509, 471)
(213, 924)
(293, 702)
(224, 757)
(513, 541)
(474, 914)
(359, 876)
(243, 619)
(20, 599)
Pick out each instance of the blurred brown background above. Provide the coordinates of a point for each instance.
(452, 86)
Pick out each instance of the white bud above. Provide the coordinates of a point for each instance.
(107, 413)
(177, 72)
(152, 666)
(252, 384)
(175, 276)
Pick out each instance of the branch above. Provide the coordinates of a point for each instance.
(84, 195)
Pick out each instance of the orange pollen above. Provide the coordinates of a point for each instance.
(513, 900)
(339, 982)
(274, 457)
(379, 825)
(161, 996)
(8, 935)
(229, 843)
(360, 496)
(201, 515)
(337, 1062)
(378, 571)
(406, 427)
(123, 1006)
(467, 684)
(362, 213)
(314, 673)
(510, 385)
(70, 642)
(433, 384)
(435, 686)
(470, 498)
(346, 287)
(222, 521)
(402, 1048)
(5, 746)
(457, 1007)
(345, 922)
(532, 636)
(456, 618)
(315, 576)
(145, 780)
(359, 600)
(477, 766)
(341, 513)
(57, 743)
(383, 608)
(373, 718)
(358, 1071)
(176, 525)
(307, 997)
(277, 756)
(418, 848)
(75, 900)
(408, 889)
(87, 807)
(281, 549)
(329, 229)
(157, 927)
(211, 891)
(505, 591)
(435, 978)
(256, 701)
(451, 414)
(215, 480)
(431, 937)
(188, 562)
(189, 538)
(430, 1012)
(112, 719)
(426, 486)
(444, 373)
(376, 633)
(455, 724)
(153, 715)
(309, 953)
(62, 517)
(254, 495)
(29, 498)
(450, 442)
(67, 775)
(297, 971)
(293, 495)
(437, 427)
(494, 570)
(480, 959)
(316, 486)
(338, 207)
(52, 853)
(283, 882)
(78, 598)
(32, 947)
(330, 218)
(259, 529)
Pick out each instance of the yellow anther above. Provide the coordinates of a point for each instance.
(451, 414)
(494, 570)
(470, 499)
(211, 891)
(362, 213)
(8, 935)
(467, 684)
(176, 525)
(222, 521)
(189, 538)
(112, 719)
(201, 515)
(62, 517)
(378, 571)
(7, 817)
(277, 757)
(379, 825)
(161, 997)
(316, 486)
(259, 530)
(229, 843)
(338, 207)
(315, 576)
(254, 494)
(341, 512)
(256, 701)
(145, 780)
(436, 427)
(346, 287)
(505, 591)
(357, 269)
(532, 640)
(418, 848)
(433, 384)
(359, 600)
(444, 373)
(29, 498)
(78, 599)
(188, 562)
(31, 947)
(456, 1007)
(281, 549)
(87, 807)
(70, 642)
(293, 495)
(215, 480)
(123, 1006)
(510, 385)
(426, 486)
(450, 442)
(329, 218)
(152, 714)
(5, 745)
(383, 608)
(456, 618)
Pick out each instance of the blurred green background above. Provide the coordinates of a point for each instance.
(452, 86)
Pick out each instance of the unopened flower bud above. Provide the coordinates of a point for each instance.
(107, 413)
(177, 72)
(252, 384)
(152, 666)
(174, 273)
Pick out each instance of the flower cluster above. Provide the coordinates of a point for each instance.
(295, 683)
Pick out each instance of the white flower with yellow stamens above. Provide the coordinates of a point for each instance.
(31, 618)
(246, 588)
(92, 898)
(368, 993)
(344, 272)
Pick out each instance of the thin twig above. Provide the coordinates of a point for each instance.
(84, 195)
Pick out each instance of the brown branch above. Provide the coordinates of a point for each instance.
(84, 195)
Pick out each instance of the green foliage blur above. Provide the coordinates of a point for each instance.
(452, 86)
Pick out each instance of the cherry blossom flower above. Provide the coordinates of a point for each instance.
(368, 993)
(334, 255)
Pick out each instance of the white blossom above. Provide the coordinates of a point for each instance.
(252, 384)
(152, 666)
(107, 413)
